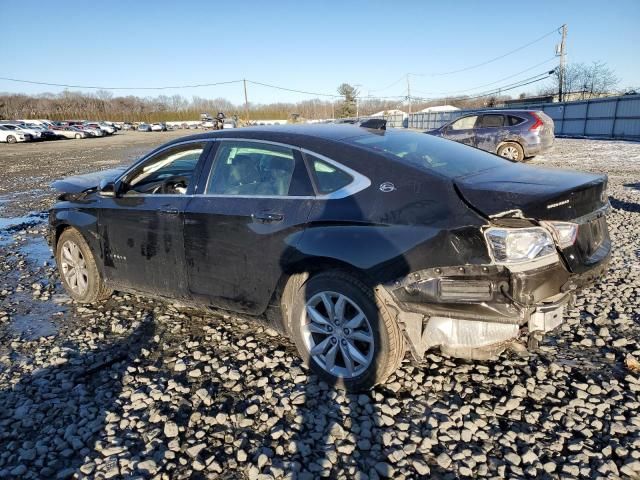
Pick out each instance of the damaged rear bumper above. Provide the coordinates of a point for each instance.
(477, 311)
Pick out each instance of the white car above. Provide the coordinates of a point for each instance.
(71, 132)
(156, 127)
(229, 124)
(35, 134)
(10, 135)
(107, 129)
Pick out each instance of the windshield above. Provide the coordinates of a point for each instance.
(430, 153)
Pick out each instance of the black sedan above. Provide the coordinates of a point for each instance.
(358, 243)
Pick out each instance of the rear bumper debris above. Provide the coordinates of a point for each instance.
(476, 311)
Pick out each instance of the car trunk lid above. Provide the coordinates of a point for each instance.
(517, 190)
(535, 192)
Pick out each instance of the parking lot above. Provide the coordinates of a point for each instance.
(134, 386)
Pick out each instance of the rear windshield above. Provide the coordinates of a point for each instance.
(429, 153)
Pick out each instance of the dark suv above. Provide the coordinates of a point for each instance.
(513, 134)
(358, 243)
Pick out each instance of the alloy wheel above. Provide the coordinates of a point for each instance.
(74, 267)
(337, 334)
(510, 152)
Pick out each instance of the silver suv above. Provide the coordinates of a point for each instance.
(514, 134)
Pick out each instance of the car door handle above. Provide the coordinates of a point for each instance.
(169, 211)
(267, 217)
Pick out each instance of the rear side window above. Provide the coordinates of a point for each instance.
(492, 121)
(328, 178)
(513, 120)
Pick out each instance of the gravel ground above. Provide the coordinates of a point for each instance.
(140, 388)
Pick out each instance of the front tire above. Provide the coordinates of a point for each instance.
(344, 332)
(512, 151)
(78, 136)
(78, 270)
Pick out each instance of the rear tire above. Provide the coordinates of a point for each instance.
(512, 151)
(343, 330)
(78, 270)
(78, 136)
(11, 139)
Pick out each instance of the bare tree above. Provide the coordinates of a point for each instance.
(589, 80)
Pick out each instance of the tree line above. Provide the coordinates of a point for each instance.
(592, 79)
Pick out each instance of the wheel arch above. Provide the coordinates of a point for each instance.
(295, 275)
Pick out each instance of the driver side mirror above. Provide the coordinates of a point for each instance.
(107, 188)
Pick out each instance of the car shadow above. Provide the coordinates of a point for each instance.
(67, 408)
(335, 430)
(626, 206)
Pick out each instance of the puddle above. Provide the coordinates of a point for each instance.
(17, 223)
(32, 327)
(37, 250)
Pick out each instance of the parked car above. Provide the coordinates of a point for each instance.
(513, 134)
(127, 126)
(45, 132)
(91, 130)
(158, 127)
(229, 124)
(71, 132)
(358, 243)
(35, 134)
(13, 135)
(107, 129)
(144, 127)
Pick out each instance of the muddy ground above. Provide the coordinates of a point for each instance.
(133, 387)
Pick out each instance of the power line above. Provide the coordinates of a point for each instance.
(511, 52)
(487, 84)
(506, 88)
(294, 90)
(93, 87)
(388, 86)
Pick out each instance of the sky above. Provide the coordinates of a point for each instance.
(312, 46)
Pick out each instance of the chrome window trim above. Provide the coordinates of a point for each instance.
(155, 152)
(359, 182)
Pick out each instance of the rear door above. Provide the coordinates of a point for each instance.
(490, 131)
(240, 230)
(462, 130)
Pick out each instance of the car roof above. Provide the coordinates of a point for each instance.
(300, 134)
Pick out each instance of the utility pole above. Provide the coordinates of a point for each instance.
(561, 72)
(409, 93)
(246, 102)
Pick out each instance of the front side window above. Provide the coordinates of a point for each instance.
(251, 168)
(465, 123)
(168, 172)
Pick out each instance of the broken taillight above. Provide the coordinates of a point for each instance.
(538, 123)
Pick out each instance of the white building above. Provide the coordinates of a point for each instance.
(439, 108)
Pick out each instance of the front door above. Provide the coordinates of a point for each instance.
(142, 227)
(239, 232)
(462, 130)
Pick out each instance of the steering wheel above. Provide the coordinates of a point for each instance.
(175, 184)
